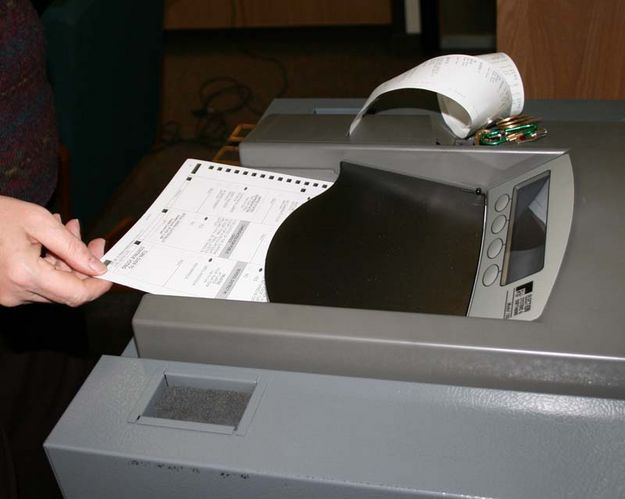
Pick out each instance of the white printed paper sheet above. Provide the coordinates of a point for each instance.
(472, 90)
(208, 232)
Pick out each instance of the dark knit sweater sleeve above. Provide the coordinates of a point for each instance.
(28, 134)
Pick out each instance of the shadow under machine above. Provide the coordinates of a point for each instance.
(442, 313)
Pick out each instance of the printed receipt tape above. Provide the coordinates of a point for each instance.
(472, 90)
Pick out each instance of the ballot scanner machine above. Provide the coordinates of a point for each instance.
(512, 384)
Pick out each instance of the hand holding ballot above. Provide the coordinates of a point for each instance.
(208, 232)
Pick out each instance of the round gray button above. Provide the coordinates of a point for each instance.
(494, 248)
(498, 224)
(490, 276)
(502, 202)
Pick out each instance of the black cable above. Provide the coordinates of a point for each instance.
(281, 69)
(219, 97)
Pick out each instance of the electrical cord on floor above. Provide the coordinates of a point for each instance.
(281, 69)
(219, 97)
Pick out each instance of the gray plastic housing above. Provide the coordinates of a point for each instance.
(310, 436)
(575, 347)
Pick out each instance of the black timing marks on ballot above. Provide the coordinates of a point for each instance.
(379, 240)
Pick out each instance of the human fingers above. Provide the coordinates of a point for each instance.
(51, 258)
(63, 243)
(21, 297)
(54, 261)
(34, 298)
(97, 247)
(68, 288)
(74, 227)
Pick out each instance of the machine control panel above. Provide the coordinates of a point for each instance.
(527, 225)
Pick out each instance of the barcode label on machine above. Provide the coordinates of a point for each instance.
(521, 300)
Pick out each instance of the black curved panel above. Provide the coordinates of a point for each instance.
(379, 240)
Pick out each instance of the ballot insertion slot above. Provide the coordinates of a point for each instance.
(197, 403)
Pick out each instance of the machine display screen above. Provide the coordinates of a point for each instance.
(528, 229)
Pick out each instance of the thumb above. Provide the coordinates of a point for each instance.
(55, 237)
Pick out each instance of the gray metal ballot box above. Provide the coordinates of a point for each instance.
(522, 396)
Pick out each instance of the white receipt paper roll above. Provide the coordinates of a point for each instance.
(472, 90)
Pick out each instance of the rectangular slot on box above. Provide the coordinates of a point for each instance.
(205, 404)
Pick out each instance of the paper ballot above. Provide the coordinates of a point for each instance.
(472, 90)
(208, 232)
